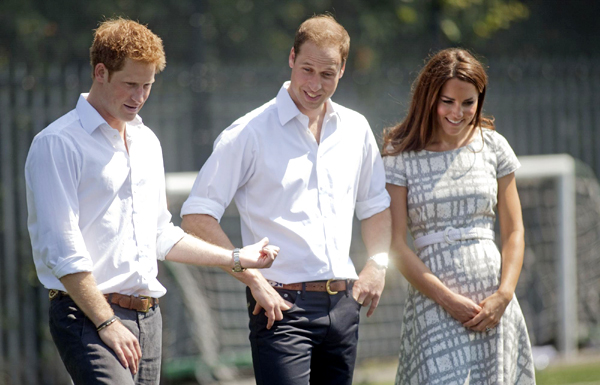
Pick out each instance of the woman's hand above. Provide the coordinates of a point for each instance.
(492, 309)
(259, 255)
(461, 308)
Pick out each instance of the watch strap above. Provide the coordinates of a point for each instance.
(237, 266)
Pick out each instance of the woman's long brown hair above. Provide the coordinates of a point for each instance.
(415, 132)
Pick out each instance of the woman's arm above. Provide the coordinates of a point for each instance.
(416, 272)
(513, 245)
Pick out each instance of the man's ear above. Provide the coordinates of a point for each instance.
(292, 58)
(342, 69)
(100, 73)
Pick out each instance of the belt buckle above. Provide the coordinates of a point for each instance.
(447, 235)
(53, 293)
(148, 303)
(329, 291)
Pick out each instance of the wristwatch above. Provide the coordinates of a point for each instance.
(237, 266)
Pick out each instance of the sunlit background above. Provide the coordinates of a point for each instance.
(227, 57)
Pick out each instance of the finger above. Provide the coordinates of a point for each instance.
(121, 356)
(138, 351)
(288, 305)
(364, 299)
(277, 313)
(257, 309)
(473, 321)
(273, 249)
(356, 292)
(269, 253)
(133, 359)
(263, 242)
(273, 315)
(131, 362)
(374, 304)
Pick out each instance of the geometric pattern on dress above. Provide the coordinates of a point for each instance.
(458, 188)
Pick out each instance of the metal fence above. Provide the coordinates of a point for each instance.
(542, 106)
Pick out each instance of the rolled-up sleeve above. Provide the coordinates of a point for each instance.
(372, 197)
(167, 234)
(227, 169)
(51, 174)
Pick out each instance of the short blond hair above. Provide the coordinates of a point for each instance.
(324, 31)
(118, 39)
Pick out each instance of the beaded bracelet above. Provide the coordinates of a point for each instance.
(106, 323)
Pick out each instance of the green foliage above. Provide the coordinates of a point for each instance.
(257, 31)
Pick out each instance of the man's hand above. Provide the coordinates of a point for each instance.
(367, 290)
(267, 298)
(259, 255)
(492, 309)
(124, 344)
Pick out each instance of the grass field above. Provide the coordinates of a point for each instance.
(583, 373)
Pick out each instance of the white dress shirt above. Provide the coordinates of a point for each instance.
(300, 194)
(94, 207)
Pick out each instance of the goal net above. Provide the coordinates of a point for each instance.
(205, 312)
(559, 287)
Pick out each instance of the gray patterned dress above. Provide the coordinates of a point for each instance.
(458, 188)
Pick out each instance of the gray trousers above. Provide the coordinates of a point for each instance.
(89, 361)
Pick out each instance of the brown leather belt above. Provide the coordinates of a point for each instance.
(142, 303)
(331, 286)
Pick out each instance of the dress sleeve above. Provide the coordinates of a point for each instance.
(395, 170)
(507, 161)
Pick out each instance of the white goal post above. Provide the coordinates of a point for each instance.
(561, 168)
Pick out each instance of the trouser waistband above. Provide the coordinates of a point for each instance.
(332, 286)
(142, 303)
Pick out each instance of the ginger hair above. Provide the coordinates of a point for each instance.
(118, 39)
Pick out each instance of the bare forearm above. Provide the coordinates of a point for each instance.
(195, 251)
(208, 228)
(83, 290)
(377, 233)
(512, 263)
(420, 276)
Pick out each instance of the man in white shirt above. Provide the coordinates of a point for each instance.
(298, 168)
(98, 218)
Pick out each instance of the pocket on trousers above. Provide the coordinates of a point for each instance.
(291, 296)
(67, 318)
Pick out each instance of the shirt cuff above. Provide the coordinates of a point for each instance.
(167, 239)
(72, 265)
(197, 205)
(366, 209)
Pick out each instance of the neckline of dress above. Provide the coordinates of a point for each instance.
(476, 139)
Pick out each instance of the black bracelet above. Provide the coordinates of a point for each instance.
(106, 323)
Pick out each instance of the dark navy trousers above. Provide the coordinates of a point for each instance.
(314, 344)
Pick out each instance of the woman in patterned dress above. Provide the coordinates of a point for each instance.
(448, 173)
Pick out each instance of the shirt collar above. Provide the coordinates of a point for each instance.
(90, 118)
(287, 110)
